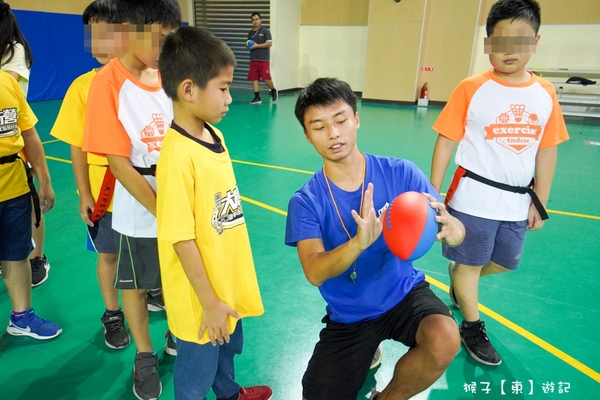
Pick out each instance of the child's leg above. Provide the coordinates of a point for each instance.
(38, 235)
(17, 277)
(225, 385)
(136, 314)
(106, 270)
(195, 369)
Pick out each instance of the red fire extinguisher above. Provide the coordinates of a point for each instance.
(424, 91)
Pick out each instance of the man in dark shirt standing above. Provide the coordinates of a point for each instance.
(259, 58)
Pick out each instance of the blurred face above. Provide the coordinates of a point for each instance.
(105, 41)
(256, 21)
(212, 103)
(332, 129)
(510, 46)
(145, 42)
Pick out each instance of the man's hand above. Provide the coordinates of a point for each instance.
(452, 231)
(369, 225)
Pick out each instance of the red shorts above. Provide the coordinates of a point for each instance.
(259, 70)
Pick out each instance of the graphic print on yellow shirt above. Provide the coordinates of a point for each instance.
(228, 211)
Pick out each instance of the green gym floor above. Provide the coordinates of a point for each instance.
(544, 319)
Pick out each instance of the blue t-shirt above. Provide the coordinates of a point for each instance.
(383, 280)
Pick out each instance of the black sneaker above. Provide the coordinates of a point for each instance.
(39, 270)
(453, 298)
(155, 303)
(115, 333)
(478, 344)
(256, 100)
(274, 95)
(171, 346)
(146, 382)
(374, 394)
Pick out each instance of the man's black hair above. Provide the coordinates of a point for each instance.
(192, 53)
(147, 12)
(324, 92)
(255, 13)
(526, 10)
(100, 11)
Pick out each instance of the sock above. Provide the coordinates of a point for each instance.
(155, 292)
(153, 352)
(110, 313)
(19, 315)
(468, 324)
(257, 95)
(234, 397)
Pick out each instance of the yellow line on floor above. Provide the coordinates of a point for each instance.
(492, 314)
(51, 141)
(301, 171)
(59, 159)
(528, 335)
(274, 167)
(499, 318)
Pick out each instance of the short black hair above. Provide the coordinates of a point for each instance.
(255, 13)
(526, 10)
(192, 53)
(324, 92)
(100, 11)
(147, 12)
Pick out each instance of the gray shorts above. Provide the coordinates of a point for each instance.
(488, 240)
(101, 236)
(138, 266)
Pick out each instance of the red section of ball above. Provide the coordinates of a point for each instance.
(404, 222)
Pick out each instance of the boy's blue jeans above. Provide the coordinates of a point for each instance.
(198, 368)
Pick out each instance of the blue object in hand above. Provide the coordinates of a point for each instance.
(250, 43)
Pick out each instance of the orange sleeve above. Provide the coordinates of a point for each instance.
(555, 131)
(452, 120)
(104, 133)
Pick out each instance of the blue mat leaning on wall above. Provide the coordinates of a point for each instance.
(57, 43)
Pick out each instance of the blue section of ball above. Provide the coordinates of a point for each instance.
(250, 43)
(428, 235)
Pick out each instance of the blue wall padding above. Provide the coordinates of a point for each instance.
(57, 43)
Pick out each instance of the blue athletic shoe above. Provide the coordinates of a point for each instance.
(33, 326)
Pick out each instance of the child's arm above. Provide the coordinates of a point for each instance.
(133, 181)
(82, 179)
(214, 317)
(545, 164)
(35, 154)
(442, 153)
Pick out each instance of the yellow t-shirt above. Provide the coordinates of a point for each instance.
(15, 116)
(198, 199)
(69, 127)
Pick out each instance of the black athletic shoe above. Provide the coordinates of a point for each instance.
(171, 346)
(478, 344)
(155, 303)
(274, 95)
(256, 100)
(453, 298)
(39, 270)
(146, 381)
(115, 333)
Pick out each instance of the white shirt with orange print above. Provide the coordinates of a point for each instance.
(127, 118)
(500, 127)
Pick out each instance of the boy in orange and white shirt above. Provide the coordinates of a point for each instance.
(127, 116)
(508, 124)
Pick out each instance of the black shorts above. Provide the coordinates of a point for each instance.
(340, 362)
(138, 266)
(15, 228)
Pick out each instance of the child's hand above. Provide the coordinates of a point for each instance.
(86, 208)
(452, 231)
(534, 221)
(46, 195)
(214, 319)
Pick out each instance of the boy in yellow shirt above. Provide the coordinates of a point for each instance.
(90, 171)
(208, 275)
(17, 133)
